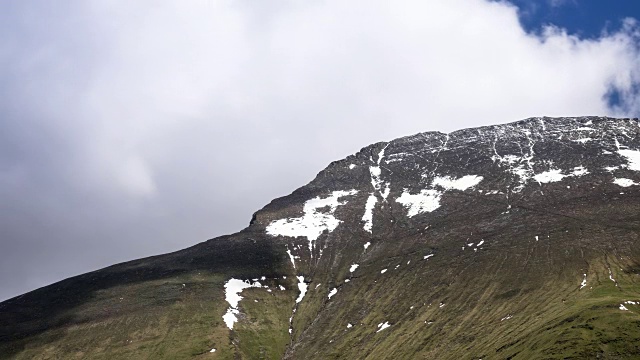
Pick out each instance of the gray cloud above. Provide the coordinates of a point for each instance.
(133, 129)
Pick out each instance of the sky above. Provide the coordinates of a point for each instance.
(130, 129)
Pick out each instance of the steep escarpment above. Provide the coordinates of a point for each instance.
(511, 241)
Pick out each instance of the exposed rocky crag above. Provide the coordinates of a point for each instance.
(513, 241)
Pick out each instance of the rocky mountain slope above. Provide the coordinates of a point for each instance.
(515, 241)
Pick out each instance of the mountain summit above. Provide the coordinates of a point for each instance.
(515, 241)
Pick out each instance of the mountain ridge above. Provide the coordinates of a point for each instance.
(431, 245)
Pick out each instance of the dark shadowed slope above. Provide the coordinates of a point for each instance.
(515, 241)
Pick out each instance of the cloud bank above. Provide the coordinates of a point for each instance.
(131, 129)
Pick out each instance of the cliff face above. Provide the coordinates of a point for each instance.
(509, 241)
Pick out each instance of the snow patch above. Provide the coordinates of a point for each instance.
(375, 177)
(461, 184)
(352, 166)
(424, 201)
(555, 175)
(232, 289)
(549, 176)
(624, 182)
(332, 292)
(383, 271)
(427, 256)
(302, 286)
(368, 213)
(367, 244)
(584, 282)
(383, 326)
(579, 171)
(611, 277)
(622, 307)
(313, 222)
(353, 267)
(377, 183)
(632, 157)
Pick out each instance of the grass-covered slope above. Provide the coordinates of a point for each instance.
(513, 297)
(167, 307)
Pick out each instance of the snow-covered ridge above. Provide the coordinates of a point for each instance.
(423, 168)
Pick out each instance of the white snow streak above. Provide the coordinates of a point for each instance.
(378, 186)
(353, 267)
(368, 212)
(302, 286)
(611, 277)
(584, 282)
(292, 258)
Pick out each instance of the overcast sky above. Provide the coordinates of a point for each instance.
(129, 129)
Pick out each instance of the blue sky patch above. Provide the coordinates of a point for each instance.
(586, 19)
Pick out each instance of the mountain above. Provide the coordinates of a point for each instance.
(516, 241)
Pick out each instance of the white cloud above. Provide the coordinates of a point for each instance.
(353, 72)
(363, 65)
